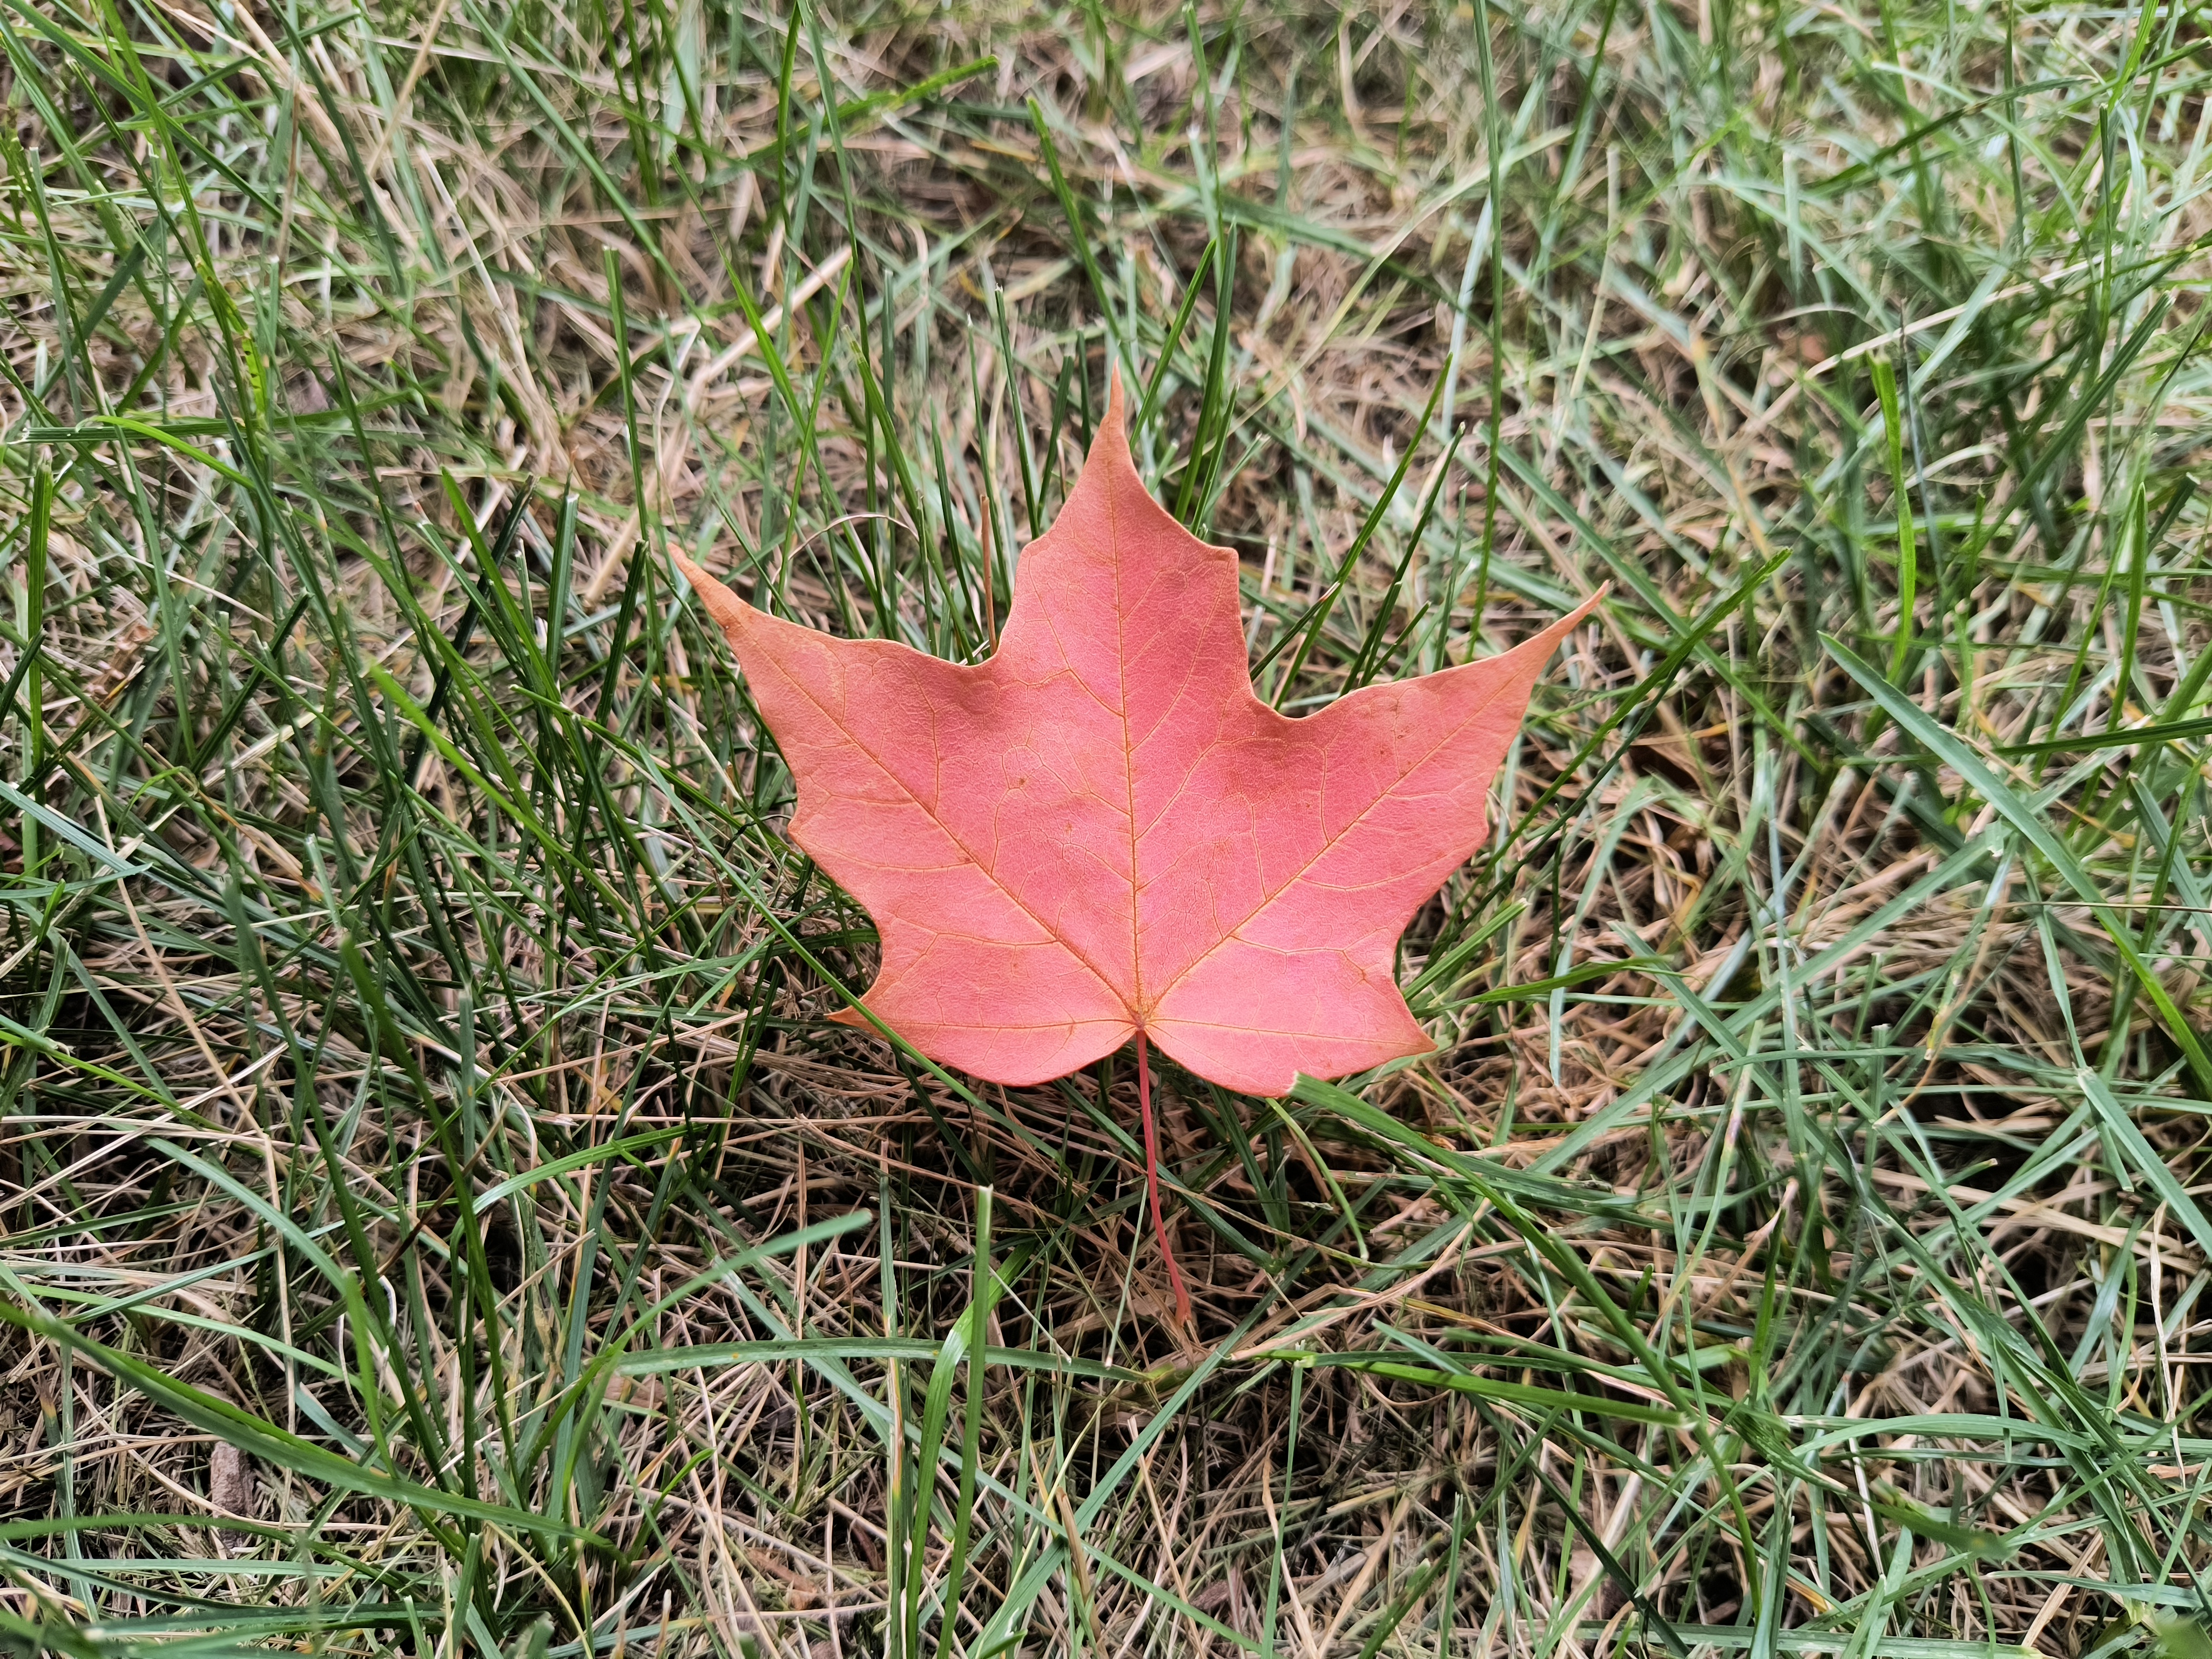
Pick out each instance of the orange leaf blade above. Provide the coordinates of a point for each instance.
(1101, 831)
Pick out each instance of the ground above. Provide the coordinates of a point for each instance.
(440, 1216)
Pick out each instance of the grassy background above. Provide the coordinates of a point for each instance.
(438, 1218)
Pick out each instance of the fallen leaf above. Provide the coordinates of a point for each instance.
(1100, 833)
(230, 1484)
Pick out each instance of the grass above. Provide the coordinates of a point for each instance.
(439, 1218)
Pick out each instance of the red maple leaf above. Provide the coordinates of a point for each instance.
(1101, 833)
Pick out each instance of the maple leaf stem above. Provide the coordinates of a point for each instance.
(1152, 1182)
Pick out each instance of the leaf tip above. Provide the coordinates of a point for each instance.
(722, 605)
(1584, 608)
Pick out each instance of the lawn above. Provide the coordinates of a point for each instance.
(440, 1217)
